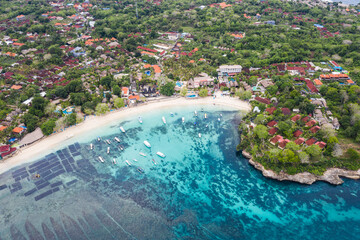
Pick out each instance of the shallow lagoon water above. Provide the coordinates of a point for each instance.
(201, 190)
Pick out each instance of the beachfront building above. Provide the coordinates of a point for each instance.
(228, 70)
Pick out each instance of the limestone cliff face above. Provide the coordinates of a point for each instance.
(332, 175)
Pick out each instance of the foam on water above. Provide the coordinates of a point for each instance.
(201, 190)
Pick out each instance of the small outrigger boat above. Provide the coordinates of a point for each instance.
(195, 113)
(161, 154)
(91, 146)
(199, 135)
(128, 163)
(205, 116)
(134, 159)
(140, 170)
(121, 147)
(99, 139)
(142, 154)
(183, 119)
(219, 119)
(154, 161)
(101, 159)
(108, 141)
(122, 129)
(147, 144)
(140, 120)
(108, 150)
(114, 160)
(164, 120)
(117, 139)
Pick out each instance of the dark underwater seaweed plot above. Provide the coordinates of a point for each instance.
(71, 182)
(49, 235)
(32, 232)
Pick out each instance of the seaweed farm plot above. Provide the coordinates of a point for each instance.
(49, 174)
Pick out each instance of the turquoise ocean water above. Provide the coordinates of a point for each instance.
(201, 190)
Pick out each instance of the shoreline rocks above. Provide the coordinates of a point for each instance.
(331, 175)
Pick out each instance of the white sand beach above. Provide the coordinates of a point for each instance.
(29, 153)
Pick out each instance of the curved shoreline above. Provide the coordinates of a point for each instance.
(28, 153)
(331, 175)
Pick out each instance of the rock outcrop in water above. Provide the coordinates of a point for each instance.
(332, 175)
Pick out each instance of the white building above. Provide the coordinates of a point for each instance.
(228, 70)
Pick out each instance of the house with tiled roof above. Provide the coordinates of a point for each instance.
(299, 141)
(272, 131)
(263, 100)
(296, 118)
(314, 129)
(321, 144)
(272, 123)
(310, 141)
(276, 139)
(270, 110)
(282, 144)
(286, 111)
(305, 119)
(311, 123)
(297, 133)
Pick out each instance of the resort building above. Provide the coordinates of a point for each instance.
(228, 70)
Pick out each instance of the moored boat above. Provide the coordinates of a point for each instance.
(108, 150)
(205, 116)
(99, 139)
(114, 160)
(172, 114)
(140, 120)
(164, 120)
(199, 135)
(142, 154)
(140, 170)
(219, 119)
(134, 159)
(161, 154)
(117, 139)
(108, 141)
(195, 113)
(121, 147)
(101, 159)
(91, 146)
(122, 129)
(183, 119)
(128, 163)
(154, 161)
(147, 144)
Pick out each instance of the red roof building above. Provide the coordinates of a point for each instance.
(297, 133)
(272, 123)
(299, 141)
(272, 131)
(296, 118)
(286, 111)
(276, 139)
(314, 129)
(4, 148)
(263, 100)
(311, 123)
(305, 119)
(310, 141)
(321, 144)
(270, 110)
(282, 144)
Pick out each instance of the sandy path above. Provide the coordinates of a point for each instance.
(31, 152)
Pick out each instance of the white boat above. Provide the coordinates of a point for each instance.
(161, 154)
(205, 116)
(99, 139)
(154, 161)
(117, 139)
(114, 160)
(121, 147)
(206, 125)
(134, 159)
(140, 120)
(219, 119)
(108, 141)
(142, 154)
(199, 135)
(128, 163)
(220, 115)
(147, 144)
(108, 150)
(91, 146)
(195, 113)
(183, 119)
(172, 114)
(122, 129)
(140, 170)
(101, 159)
(164, 120)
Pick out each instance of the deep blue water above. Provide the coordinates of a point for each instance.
(201, 190)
